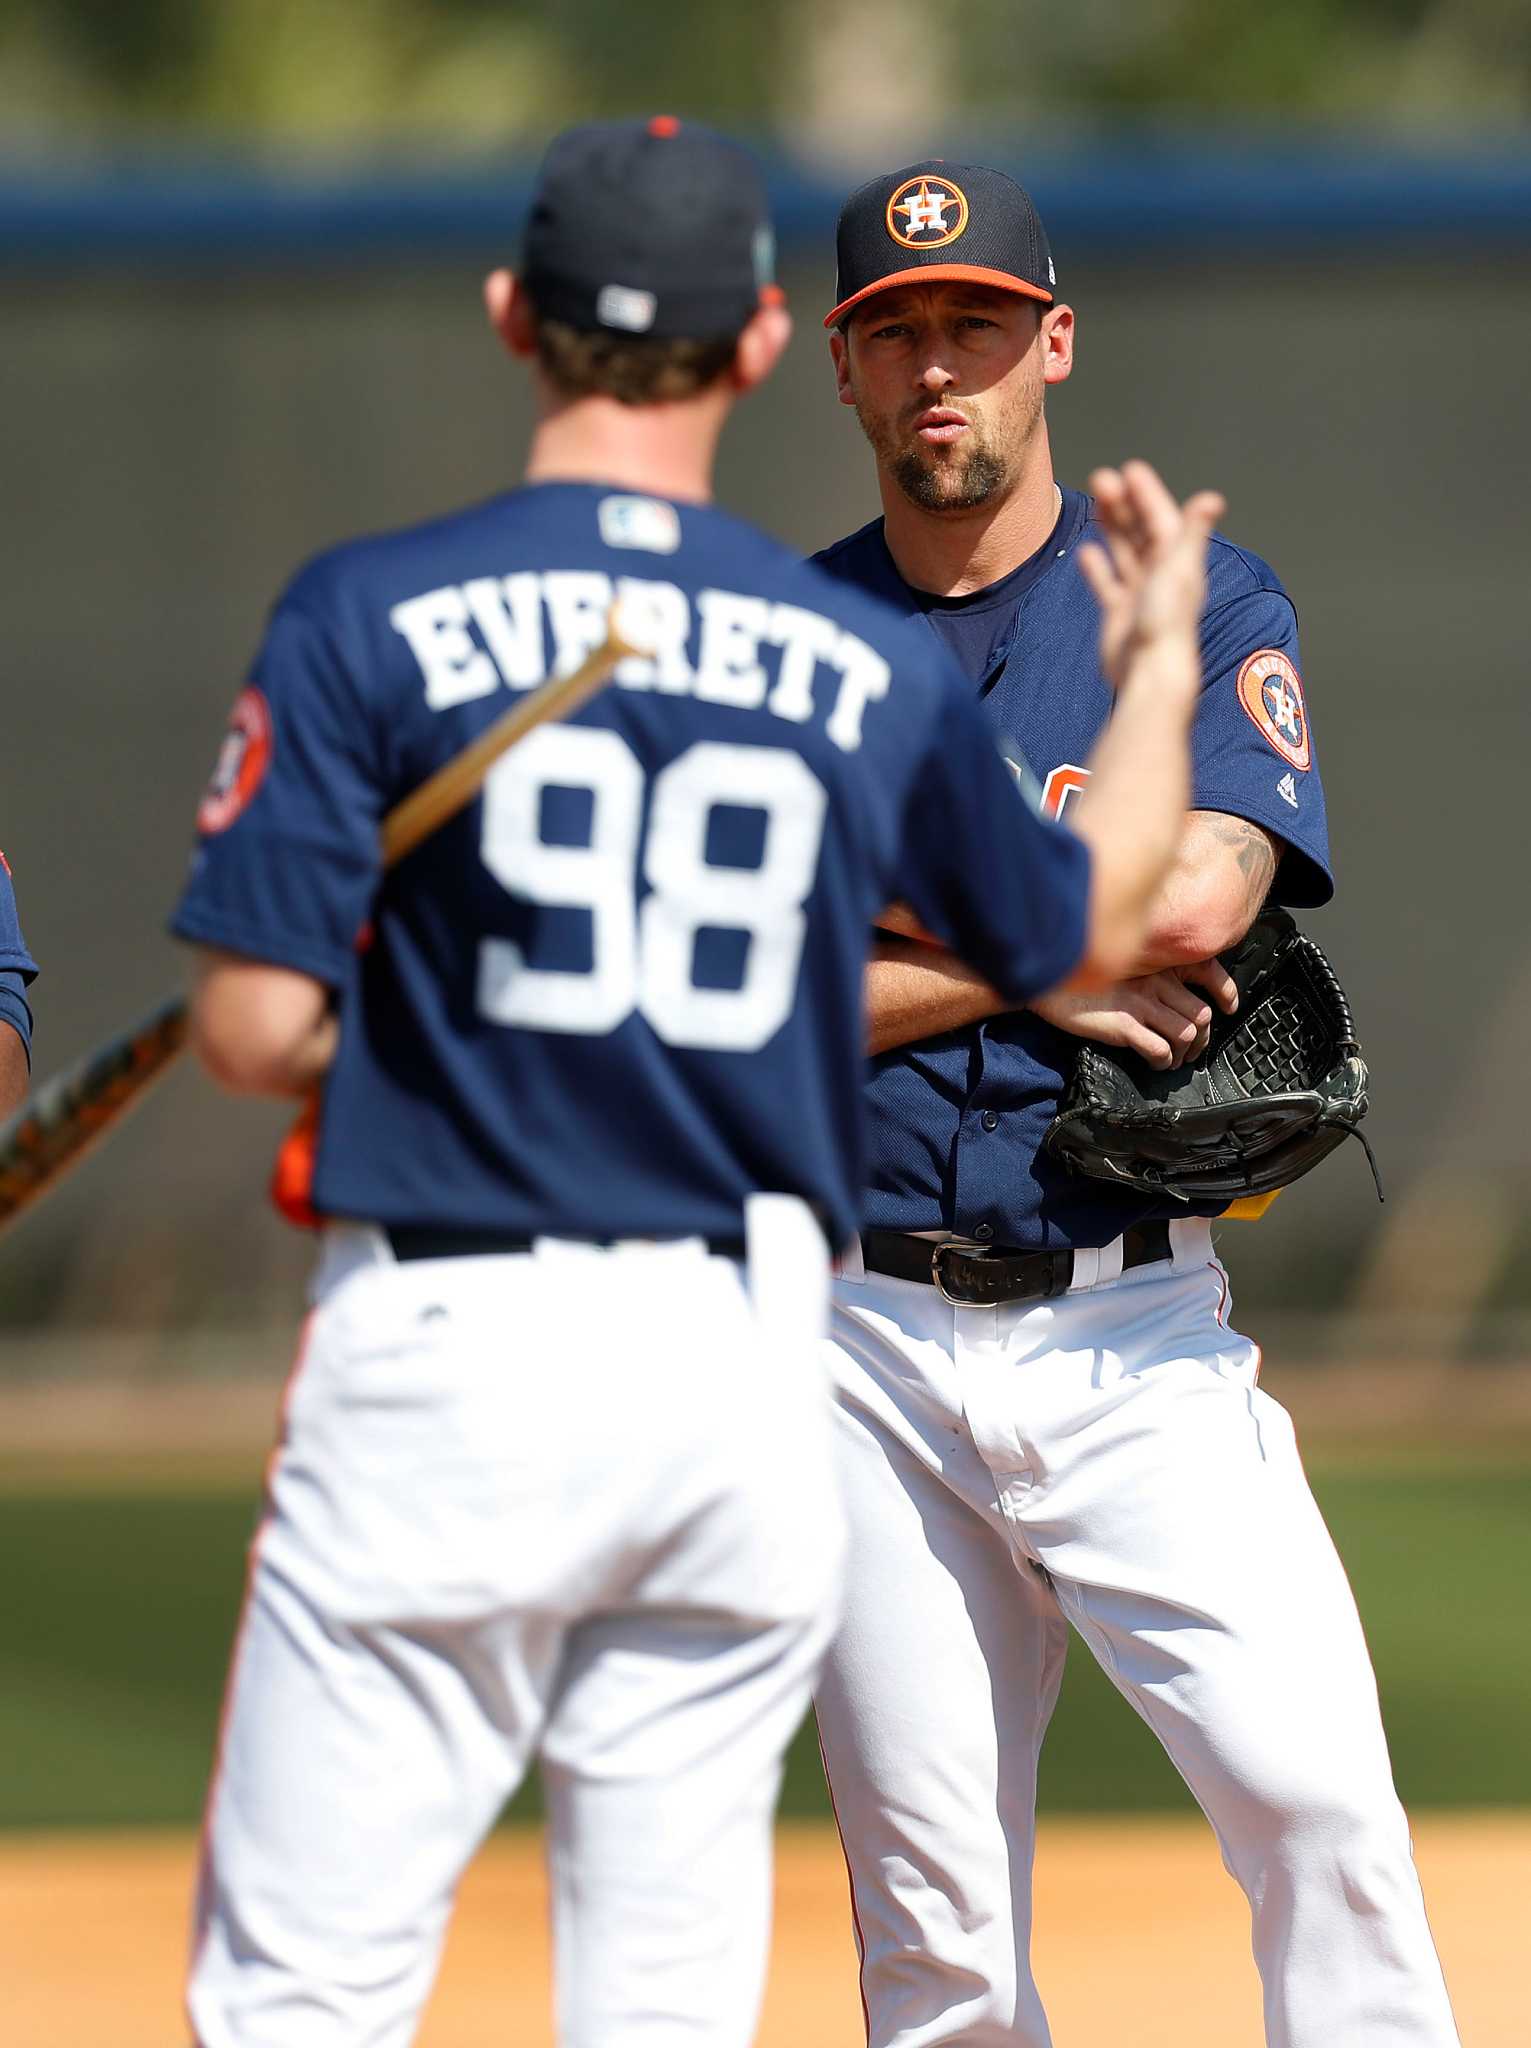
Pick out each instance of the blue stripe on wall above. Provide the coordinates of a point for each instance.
(1157, 199)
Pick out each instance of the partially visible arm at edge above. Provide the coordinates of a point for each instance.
(15, 1072)
(260, 1029)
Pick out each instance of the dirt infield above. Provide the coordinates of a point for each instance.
(1141, 1939)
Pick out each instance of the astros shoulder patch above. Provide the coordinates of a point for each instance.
(1270, 690)
(241, 764)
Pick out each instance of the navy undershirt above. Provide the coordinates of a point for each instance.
(976, 626)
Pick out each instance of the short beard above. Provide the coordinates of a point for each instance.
(949, 487)
(964, 485)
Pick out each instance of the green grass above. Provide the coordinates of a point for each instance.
(116, 1616)
(117, 1610)
(1441, 1563)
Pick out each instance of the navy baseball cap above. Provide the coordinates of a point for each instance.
(933, 221)
(654, 228)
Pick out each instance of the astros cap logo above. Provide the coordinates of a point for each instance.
(899, 229)
(921, 213)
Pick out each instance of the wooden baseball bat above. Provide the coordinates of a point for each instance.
(66, 1116)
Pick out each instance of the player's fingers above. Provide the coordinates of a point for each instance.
(1126, 547)
(1203, 510)
(1187, 1055)
(1186, 1037)
(1118, 522)
(1214, 978)
(1099, 572)
(1188, 1003)
(1124, 525)
(1178, 1031)
(1106, 488)
(1157, 516)
(1151, 1045)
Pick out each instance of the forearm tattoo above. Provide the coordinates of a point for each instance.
(1253, 850)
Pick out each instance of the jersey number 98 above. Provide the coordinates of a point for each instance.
(642, 954)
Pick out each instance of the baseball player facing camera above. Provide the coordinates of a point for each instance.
(556, 1469)
(1046, 1419)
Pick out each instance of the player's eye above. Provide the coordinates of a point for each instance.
(976, 320)
(894, 331)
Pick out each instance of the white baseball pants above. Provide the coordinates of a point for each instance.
(578, 1501)
(1105, 1460)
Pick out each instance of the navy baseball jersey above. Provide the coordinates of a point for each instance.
(958, 1121)
(17, 967)
(622, 990)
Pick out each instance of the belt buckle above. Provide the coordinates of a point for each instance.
(935, 1274)
(981, 1255)
(958, 1251)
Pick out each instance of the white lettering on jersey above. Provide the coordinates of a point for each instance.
(731, 628)
(805, 639)
(508, 612)
(642, 957)
(656, 616)
(579, 604)
(867, 677)
(728, 668)
(435, 625)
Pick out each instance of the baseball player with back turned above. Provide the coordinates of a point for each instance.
(1045, 1416)
(556, 1472)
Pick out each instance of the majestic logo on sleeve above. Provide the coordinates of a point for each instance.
(927, 213)
(1270, 690)
(241, 765)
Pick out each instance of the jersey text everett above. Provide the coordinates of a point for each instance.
(683, 873)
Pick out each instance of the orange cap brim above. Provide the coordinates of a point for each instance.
(940, 273)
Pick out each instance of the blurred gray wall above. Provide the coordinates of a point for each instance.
(172, 446)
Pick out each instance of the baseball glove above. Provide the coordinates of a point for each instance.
(1281, 1083)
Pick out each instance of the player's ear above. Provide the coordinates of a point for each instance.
(762, 344)
(510, 312)
(1056, 335)
(840, 356)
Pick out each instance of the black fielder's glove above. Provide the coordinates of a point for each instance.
(1281, 1083)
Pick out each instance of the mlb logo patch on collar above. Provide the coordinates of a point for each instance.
(1270, 690)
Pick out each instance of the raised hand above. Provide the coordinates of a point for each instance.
(1150, 579)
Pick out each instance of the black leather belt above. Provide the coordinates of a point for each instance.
(427, 1241)
(982, 1276)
